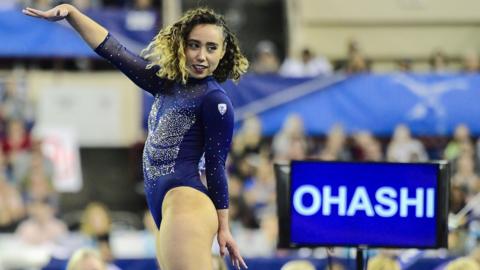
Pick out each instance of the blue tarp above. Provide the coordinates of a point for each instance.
(430, 104)
(23, 36)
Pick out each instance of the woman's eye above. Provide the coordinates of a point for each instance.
(193, 45)
(211, 48)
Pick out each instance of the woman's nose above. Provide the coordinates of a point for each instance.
(201, 55)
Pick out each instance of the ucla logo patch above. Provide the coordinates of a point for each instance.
(222, 108)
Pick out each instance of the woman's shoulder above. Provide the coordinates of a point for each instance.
(214, 88)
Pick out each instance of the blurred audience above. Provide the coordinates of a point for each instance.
(14, 100)
(460, 144)
(16, 141)
(290, 142)
(96, 223)
(357, 63)
(366, 147)
(309, 65)
(335, 147)
(355, 60)
(265, 60)
(86, 259)
(142, 5)
(404, 148)
(470, 62)
(298, 265)
(463, 263)
(41, 227)
(383, 262)
(405, 65)
(12, 208)
(438, 61)
(465, 176)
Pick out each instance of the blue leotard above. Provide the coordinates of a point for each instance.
(185, 123)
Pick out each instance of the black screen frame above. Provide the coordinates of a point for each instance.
(283, 186)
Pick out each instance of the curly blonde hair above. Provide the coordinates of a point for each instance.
(167, 49)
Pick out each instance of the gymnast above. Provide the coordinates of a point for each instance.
(191, 117)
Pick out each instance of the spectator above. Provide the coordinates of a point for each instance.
(16, 141)
(404, 65)
(438, 61)
(249, 138)
(38, 185)
(142, 5)
(465, 176)
(335, 146)
(266, 60)
(366, 147)
(33, 160)
(470, 62)
(463, 263)
(269, 228)
(383, 262)
(290, 143)
(460, 144)
(14, 102)
(403, 148)
(86, 259)
(12, 209)
(41, 227)
(298, 265)
(96, 223)
(309, 66)
(86, 4)
(38, 4)
(457, 233)
(260, 192)
(355, 61)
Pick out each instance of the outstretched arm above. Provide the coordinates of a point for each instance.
(92, 32)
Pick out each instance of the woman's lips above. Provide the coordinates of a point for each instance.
(199, 69)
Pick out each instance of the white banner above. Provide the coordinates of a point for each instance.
(60, 145)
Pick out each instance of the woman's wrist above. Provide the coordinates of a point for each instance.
(69, 8)
(223, 220)
(223, 227)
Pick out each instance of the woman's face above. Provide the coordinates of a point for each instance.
(204, 50)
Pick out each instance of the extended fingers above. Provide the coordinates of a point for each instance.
(239, 262)
(30, 13)
(242, 262)
(37, 12)
(236, 258)
(26, 12)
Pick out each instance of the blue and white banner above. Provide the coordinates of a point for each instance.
(23, 36)
(430, 104)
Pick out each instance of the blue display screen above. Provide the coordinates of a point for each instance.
(372, 204)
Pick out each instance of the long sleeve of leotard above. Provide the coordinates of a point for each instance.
(130, 64)
(217, 117)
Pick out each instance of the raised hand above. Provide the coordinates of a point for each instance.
(55, 14)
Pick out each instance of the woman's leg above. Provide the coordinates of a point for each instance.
(189, 224)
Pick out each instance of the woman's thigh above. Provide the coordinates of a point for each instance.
(189, 224)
